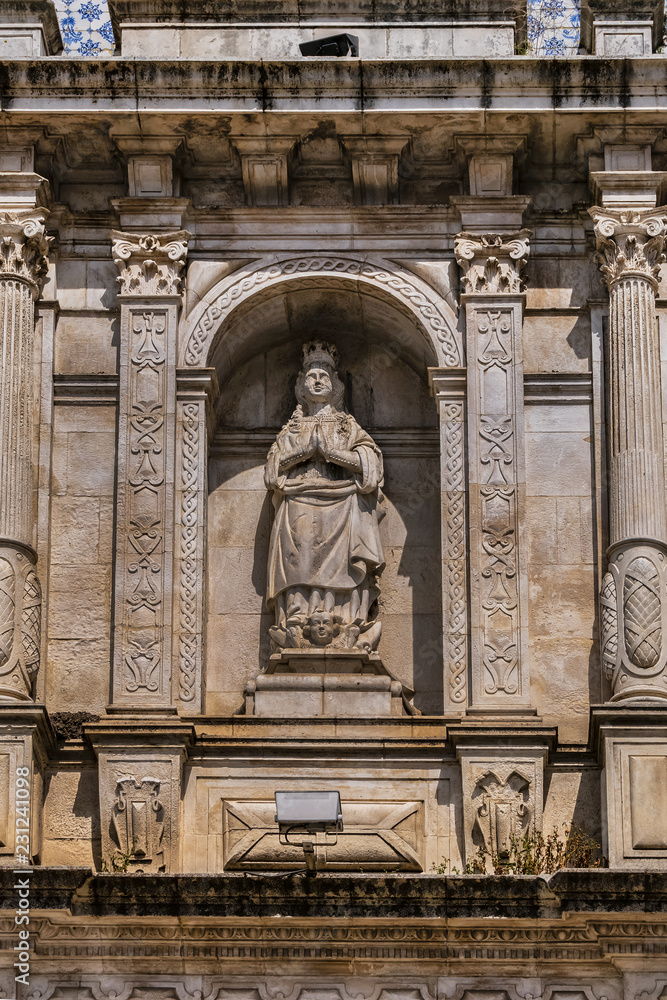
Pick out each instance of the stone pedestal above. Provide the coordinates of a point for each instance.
(26, 738)
(140, 758)
(502, 772)
(308, 683)
(631, 743)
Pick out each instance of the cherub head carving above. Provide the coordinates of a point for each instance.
(321, 628)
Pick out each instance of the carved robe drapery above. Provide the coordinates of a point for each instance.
(325, 549)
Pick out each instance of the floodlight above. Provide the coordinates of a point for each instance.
(313, 811)
(332, 45)
(309, 815)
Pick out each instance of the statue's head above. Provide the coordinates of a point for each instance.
(318, 380)
(322, 627)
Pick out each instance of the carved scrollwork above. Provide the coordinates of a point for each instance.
(492, 264)
(502, 810)
(138, 819)
(629, 244)
(188, 638)
(24, 248)
(609, 615)
(150, 264)
(31, 623)
(634, 622)
(642, 618)
(456, 553)
(7, 610)
(20, 624)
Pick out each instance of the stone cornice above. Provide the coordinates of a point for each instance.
(526, 84)
(629, 243)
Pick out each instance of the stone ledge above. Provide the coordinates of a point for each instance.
(584, 84)
(334, 896)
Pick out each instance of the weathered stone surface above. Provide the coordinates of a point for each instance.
(377, 203)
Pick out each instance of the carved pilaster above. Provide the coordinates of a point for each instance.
(150, 280)
(196, 394)
(633, 604)
(498, 608)
(448, 387)
(23, 264)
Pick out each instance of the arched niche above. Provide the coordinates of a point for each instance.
(385, 355)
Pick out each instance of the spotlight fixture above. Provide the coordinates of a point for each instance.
(333, 45)
(310, 817)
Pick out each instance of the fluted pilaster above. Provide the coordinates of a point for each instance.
(634, 590)
(23, 263)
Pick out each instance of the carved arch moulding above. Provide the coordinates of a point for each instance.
(433, 315)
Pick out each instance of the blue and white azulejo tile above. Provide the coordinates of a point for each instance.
(86, 28)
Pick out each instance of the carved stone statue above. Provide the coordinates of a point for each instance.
(325, 553)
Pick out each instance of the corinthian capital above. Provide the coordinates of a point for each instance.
(629, 244)
(492, 264)
(150, 265)
(24, 247)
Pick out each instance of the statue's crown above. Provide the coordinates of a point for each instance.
(316, 352)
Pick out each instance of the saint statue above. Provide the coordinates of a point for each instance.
(325, 554)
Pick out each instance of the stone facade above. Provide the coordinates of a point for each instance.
(333, 459)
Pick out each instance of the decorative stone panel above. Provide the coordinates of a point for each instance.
(380, 836)
(502, 796)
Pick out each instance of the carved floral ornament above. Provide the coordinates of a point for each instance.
(629, 244)
(150, 264)
(492, 263)
(24, 247)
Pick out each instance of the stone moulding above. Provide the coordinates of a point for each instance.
(433, 315)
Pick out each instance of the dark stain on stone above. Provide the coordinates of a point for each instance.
(487, 79)
(69, 725)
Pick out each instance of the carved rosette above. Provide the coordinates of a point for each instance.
(492, 264)
(150, 268)
(23, 265)
(634, 590)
